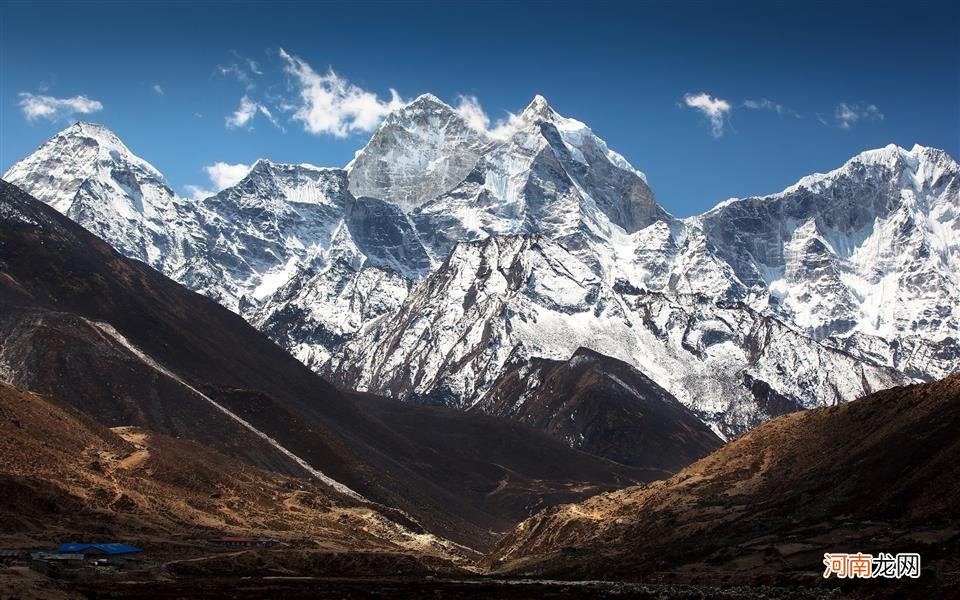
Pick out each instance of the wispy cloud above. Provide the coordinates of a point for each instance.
(222, 175)
(846, 115)
(35, 106)
(329, 104)
(716, 110)
(243, 69)
(245, 113)
(157, 89)
(472, 112)
(469, 108)
(236, 72)
(765, 104)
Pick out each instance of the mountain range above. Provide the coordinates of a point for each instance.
(443, 258)
(478, 353)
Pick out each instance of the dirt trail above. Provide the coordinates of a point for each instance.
(139, 441)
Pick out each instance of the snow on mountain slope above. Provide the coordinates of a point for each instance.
(551, 176)
(88, 174)
(420, 151)
(395, 273)
(514, 297)
(282, 220)
(315, 313)
(870, 250)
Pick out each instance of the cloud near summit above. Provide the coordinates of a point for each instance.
(39, 106)
(328, 104)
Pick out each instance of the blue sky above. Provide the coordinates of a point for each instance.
(711, 100)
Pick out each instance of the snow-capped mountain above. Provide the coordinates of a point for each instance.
(442, 256)
(551, 176)
(88, 174)
(282, 220)
(870, 250)
(510, 298)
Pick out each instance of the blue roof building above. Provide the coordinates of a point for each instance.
(111, 549)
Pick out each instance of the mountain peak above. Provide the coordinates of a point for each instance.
(90, 129)
(79, 149)
(421, 105)
(538, 108)
(103, 135)
(427, 98)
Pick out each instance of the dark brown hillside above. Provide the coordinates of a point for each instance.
(603, 406)
(64, 477)
(881, 474)
(120, 342)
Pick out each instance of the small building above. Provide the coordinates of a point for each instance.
(245, 542)
(8, 556)
(55, 562)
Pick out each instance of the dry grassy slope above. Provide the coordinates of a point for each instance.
(57, 282)
(63, 477)
(878, 474)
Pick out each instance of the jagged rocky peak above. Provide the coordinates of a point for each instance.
(550, 175)
(618, 189)
(539, 108)
(421, 150)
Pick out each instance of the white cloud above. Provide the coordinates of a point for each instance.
(195, 192)
(156, 88)
(222, 175)
(469, 108)
(715, 109)
(846, 115)
(329, 104)
(239, 73)
(47, 107)
(765, 104)
(245, 113)
(253, 66)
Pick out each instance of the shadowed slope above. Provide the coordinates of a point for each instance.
(878, 474)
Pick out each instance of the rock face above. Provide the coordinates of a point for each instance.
(875, 475)
(442, 252)
(318, 311)
(420, 151)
